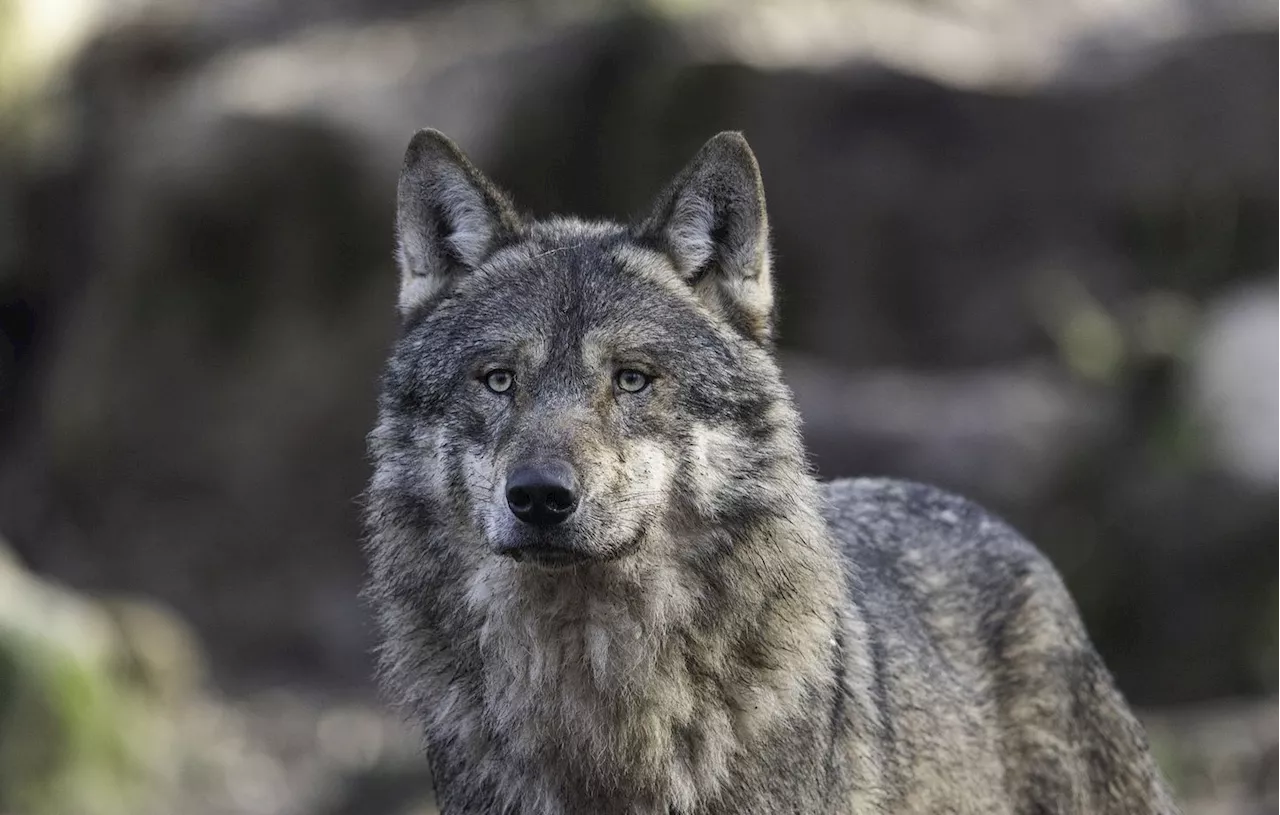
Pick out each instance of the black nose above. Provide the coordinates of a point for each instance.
(543, 494)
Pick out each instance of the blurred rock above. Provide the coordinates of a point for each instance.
(968, 43)
(281, 752)
(1024, 425)
(1235, 379)
(1220, 758)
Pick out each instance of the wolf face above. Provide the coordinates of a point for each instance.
(564, 389)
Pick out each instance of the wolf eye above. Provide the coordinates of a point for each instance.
(499, 381)
(631, 381)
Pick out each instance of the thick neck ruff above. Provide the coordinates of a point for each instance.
(645, 678)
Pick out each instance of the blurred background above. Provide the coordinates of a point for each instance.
(1027, 250)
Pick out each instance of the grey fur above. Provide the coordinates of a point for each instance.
(737, 638)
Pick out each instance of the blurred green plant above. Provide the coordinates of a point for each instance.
(86, 697)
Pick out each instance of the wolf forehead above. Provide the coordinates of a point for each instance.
(565, 277)
(572, 297)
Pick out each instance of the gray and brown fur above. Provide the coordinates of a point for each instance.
(731, 636)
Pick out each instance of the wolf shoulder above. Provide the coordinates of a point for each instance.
(918, 552)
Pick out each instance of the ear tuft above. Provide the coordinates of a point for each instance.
(449, 217)
(711, 223)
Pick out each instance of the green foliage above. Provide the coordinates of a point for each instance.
(81, 728)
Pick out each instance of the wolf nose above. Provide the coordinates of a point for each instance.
(543, 494)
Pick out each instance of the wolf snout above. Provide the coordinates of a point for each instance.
(544, 493)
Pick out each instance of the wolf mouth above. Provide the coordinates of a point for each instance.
(555, 556)
(548, 555)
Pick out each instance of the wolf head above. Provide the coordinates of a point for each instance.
(564, 390)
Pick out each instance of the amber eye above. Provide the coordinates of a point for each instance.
(499, 381)
(631, 381)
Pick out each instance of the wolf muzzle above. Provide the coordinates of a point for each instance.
(542, 495)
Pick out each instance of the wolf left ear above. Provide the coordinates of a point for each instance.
(711, 222)
(449, 217)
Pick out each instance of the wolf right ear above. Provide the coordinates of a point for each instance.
(449, 217)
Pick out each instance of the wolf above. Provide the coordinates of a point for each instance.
(607, 581)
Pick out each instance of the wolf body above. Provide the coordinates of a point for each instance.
(608, 583)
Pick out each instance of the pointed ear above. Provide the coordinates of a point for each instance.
(711, 222)
(449, 217)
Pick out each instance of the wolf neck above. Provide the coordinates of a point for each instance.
(653, 676)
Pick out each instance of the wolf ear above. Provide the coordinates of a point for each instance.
(711, 222)
(449, 217)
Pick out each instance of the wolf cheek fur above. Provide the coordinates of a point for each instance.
(606, 581)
